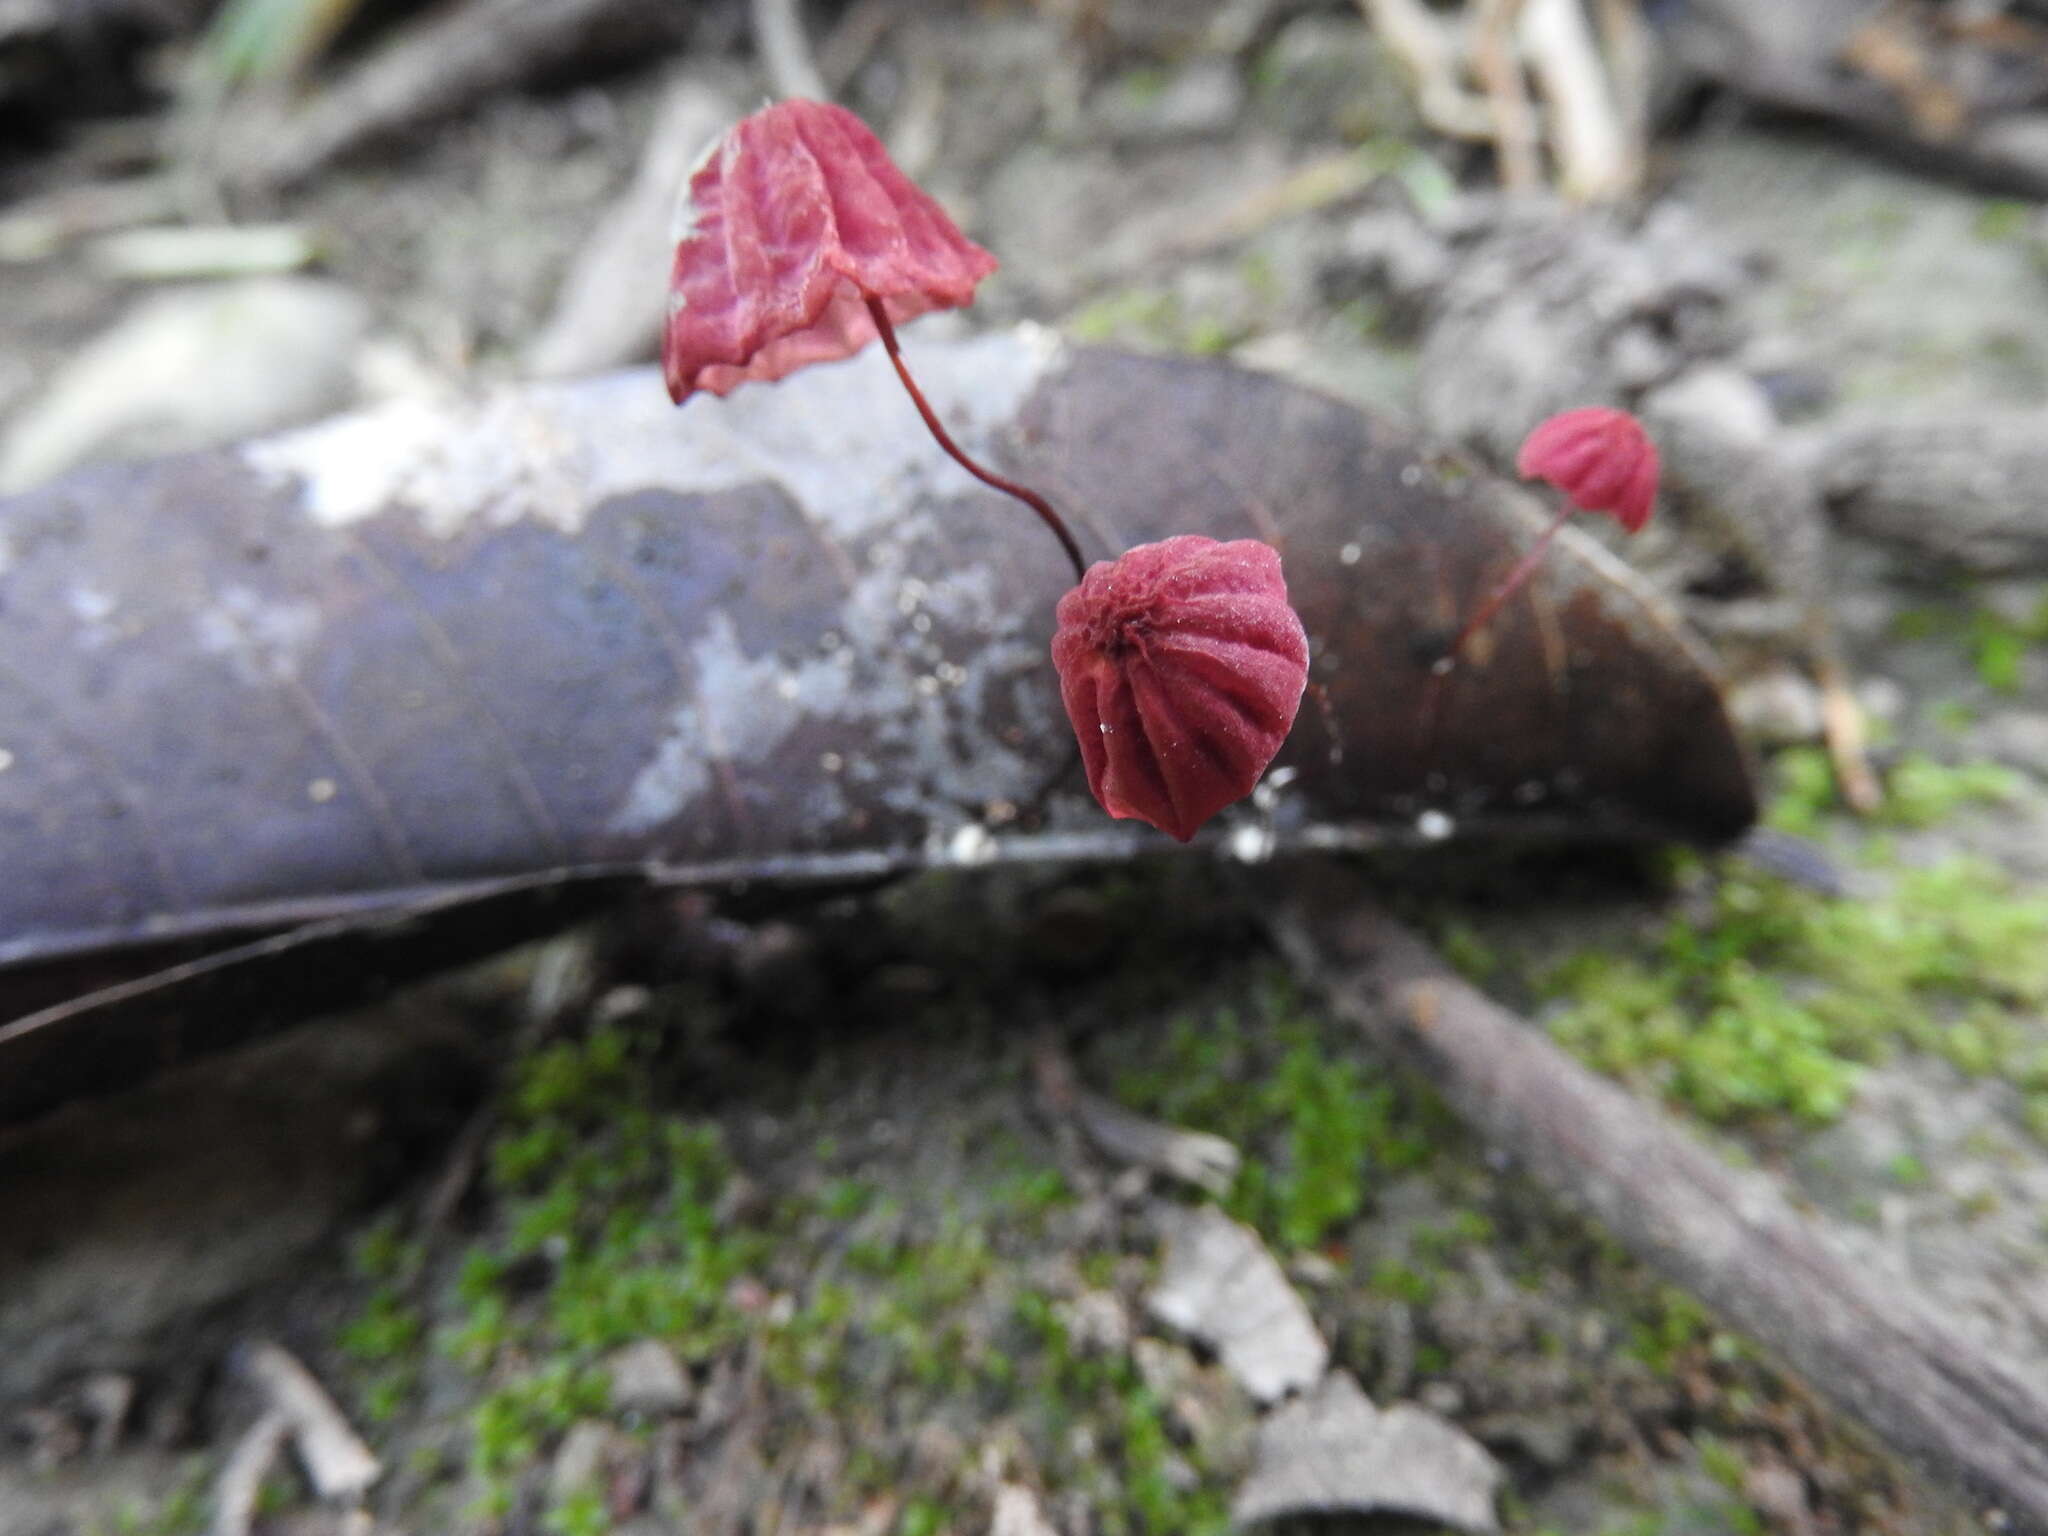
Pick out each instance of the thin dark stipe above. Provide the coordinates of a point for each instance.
(1025, 494)
(1509, 586)
(1432, 690)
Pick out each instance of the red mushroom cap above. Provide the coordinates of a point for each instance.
(1181, 666)
(1600, 458)
(796, 217)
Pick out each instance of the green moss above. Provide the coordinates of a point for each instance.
(1155, 318)
(388, 1329)
(1147, 315)
(1157, 1489)
(1997, 642)
(1907, 1171)
(1466, 952)
(1668, 1325)
(844, 1199)
(1771, 1000)
(1804, 784)
(582, 1513)
(1722, 1462)
(1030, 1195)
(1919, 792)
(515, 1420)
(1293, 1091)
(1399, 1282)
(183, 1511)
(2002, 219)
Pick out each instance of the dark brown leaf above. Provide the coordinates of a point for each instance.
(378, 666)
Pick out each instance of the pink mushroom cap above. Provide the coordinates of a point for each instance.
(795, 218)
(1601, 459)
(1181, 666)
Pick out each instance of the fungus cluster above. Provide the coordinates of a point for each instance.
(1181, 663)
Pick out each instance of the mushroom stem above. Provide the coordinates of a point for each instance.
(1025, 494)
(1509, 586)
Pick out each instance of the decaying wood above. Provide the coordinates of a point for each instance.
(240, 1483)
(338, 1464)
(1593, 138)
(1867, 1342)
(1967, 91)
(1963, 490)
(1331, 1451)
(565, 640)
(1219, 1284)
(437, 68)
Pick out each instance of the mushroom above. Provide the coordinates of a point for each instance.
(1181, 667)
(1603, 461)
(1181, 664)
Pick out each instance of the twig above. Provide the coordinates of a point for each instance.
(337, 1462)
(1842, 729)
(39, 227)
(1515, 142)
(1626, 42)
(241, 1478)
(1194, 1157)
(785, 51)
(1321, 183)
(1872, 1344)
(1426, 45)
(854, 39)
(436, 69)
(169, 253)
(1596, 159)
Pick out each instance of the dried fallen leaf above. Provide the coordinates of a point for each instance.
(1218, 1284)
(373, 671)
(1333, 1452)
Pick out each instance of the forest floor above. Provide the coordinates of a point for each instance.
(808, 1154)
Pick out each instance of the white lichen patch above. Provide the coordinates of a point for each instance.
(740, 709)
(490, 463)
(841, 439)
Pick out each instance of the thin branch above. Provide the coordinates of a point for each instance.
(1515, 135)
(785, 51)
(1596, 158)
(338, 1464)
(1433, 55)
(1868, 1341)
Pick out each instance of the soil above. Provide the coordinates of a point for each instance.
(803, 1149)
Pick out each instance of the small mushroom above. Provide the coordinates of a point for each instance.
(800, 242)
(1181, 666)
(1603, 461)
